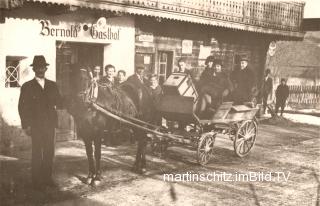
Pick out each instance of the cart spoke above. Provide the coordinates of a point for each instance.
(252, 130)
(240, 148)
(204, 158)
(241, 132)
(239, 144)
(248, 147)
(246, 128)
(208, 142)
(244, 147)
(240, 140)
(251, 141)
(250, 135)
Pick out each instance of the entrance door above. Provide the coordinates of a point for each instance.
(165, 65)
(71, 57)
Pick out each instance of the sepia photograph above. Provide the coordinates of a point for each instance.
(159, 102)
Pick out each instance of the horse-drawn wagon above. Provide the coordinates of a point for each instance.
(179, 104)
(178, 108)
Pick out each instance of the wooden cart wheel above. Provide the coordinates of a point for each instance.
(205, 147)
(159, 148)
(245, 137)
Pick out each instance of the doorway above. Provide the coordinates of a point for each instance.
(165, 60)
(71, 58)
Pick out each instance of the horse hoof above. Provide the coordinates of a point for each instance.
(89, 179)
(143, 170)
(139, 171)
(96, 180)
(95, 183)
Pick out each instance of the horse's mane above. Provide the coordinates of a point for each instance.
(116, 100)
(124, 99)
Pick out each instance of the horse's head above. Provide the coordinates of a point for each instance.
(79, 83)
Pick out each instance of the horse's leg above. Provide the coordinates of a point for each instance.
(97, 156)
(89, 151)
(136, 165)
(140, 163)
(143, 152)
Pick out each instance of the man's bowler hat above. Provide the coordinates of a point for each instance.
(140, 67)
(39, 60)
(209, 59)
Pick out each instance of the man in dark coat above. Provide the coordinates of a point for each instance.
(37, 108)
(136, 86)
(156, 92)
(266, 89)
(139, 83)
(244, 81)
(214, 85)
(282, 94)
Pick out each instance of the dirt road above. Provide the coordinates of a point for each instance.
(286, 152)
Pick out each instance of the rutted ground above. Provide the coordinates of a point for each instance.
(294, 149)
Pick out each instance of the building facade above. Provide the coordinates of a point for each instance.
(77, 34)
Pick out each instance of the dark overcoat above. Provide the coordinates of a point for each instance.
(282, 92)
(267, 86)
(37, 106)
(243, 81)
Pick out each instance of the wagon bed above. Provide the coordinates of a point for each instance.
(236, 121)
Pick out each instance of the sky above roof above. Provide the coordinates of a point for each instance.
(312, 9)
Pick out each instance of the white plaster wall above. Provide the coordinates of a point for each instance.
(121, 54)
(21, 37)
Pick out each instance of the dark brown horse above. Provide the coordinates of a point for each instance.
(91, 125)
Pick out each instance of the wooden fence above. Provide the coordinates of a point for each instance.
(304, 96)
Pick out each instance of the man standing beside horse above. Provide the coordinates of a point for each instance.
(137, 84)
(38, 101)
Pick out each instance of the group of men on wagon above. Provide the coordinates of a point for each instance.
(216, 85)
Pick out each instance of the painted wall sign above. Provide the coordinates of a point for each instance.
(145, 38)
(205, 51)
(49, 30)
(186, 46)
(93, 31)
(108, 33)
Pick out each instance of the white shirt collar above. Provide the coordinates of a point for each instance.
(41, 81)
(110, 79)
(140, 77)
